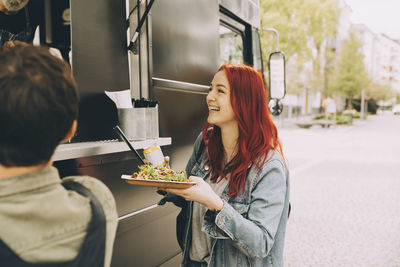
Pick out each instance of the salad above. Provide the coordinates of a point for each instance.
(161, 172)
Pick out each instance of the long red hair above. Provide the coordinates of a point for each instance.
(258, 134)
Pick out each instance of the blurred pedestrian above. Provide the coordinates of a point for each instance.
(329, 106)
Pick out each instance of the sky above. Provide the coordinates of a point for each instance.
(381, 16)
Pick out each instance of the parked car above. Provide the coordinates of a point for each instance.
(396, 109)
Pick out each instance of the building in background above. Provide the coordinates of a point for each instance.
(381, 59)
(381, 56)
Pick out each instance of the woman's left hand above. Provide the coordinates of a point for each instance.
(200, 192)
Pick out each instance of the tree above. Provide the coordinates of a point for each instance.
(350, 77)
(303, 25)
(322, 24)
(329, 69)
(380, 92)
(288, 17)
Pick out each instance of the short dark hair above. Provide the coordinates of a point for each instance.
(38, 105)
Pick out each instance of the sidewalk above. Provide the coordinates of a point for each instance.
(344, 194)
(292, 123)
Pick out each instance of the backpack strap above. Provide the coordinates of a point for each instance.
(92, 250)
(9, 258)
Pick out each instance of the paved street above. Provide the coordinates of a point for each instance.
(345, 194)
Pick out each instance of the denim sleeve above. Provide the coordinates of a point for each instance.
(253, 234)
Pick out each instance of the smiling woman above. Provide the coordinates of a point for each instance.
(241, 196)
(219, 103)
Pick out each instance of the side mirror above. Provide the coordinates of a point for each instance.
(277, 81)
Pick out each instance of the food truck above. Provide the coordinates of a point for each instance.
(164, 50)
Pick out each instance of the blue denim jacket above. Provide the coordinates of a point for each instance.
(250, 229)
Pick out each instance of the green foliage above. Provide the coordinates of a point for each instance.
(350, 77)
(380, 92)
(398, 98)
(303, 25)
(356, 115)
(288, 20)
(340, 119)
(329, 69)
(299, 23)
(344, 119)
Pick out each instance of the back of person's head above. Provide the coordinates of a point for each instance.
(38, 105)
(14, 5)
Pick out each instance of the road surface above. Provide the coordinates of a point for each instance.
(345, 194)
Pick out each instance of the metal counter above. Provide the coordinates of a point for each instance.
(88, 149)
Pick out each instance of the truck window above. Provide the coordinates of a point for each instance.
(257, 53)
(230, 45)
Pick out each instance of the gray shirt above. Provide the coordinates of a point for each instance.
(42, 222)
(200, 250)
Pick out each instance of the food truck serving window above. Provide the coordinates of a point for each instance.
(230, 44)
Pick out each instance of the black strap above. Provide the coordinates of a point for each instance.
(92, 250)
(8, 258)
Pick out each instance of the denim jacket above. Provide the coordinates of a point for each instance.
(250, 229)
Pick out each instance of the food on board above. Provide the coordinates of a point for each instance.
(161, 172)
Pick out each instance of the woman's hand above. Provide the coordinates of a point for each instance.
(200, 192)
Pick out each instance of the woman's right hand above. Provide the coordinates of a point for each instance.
(200, 192)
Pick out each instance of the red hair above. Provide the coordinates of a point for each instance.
(258, 134)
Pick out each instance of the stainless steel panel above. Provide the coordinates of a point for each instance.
(99, 63)
(185, 40)
(180, 86)
(99, 54)
(182, 117)
(147, 239)
(87, 149)
(185, 49)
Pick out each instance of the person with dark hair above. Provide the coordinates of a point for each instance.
(236, 213)
(43, 219)
(18, 21)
